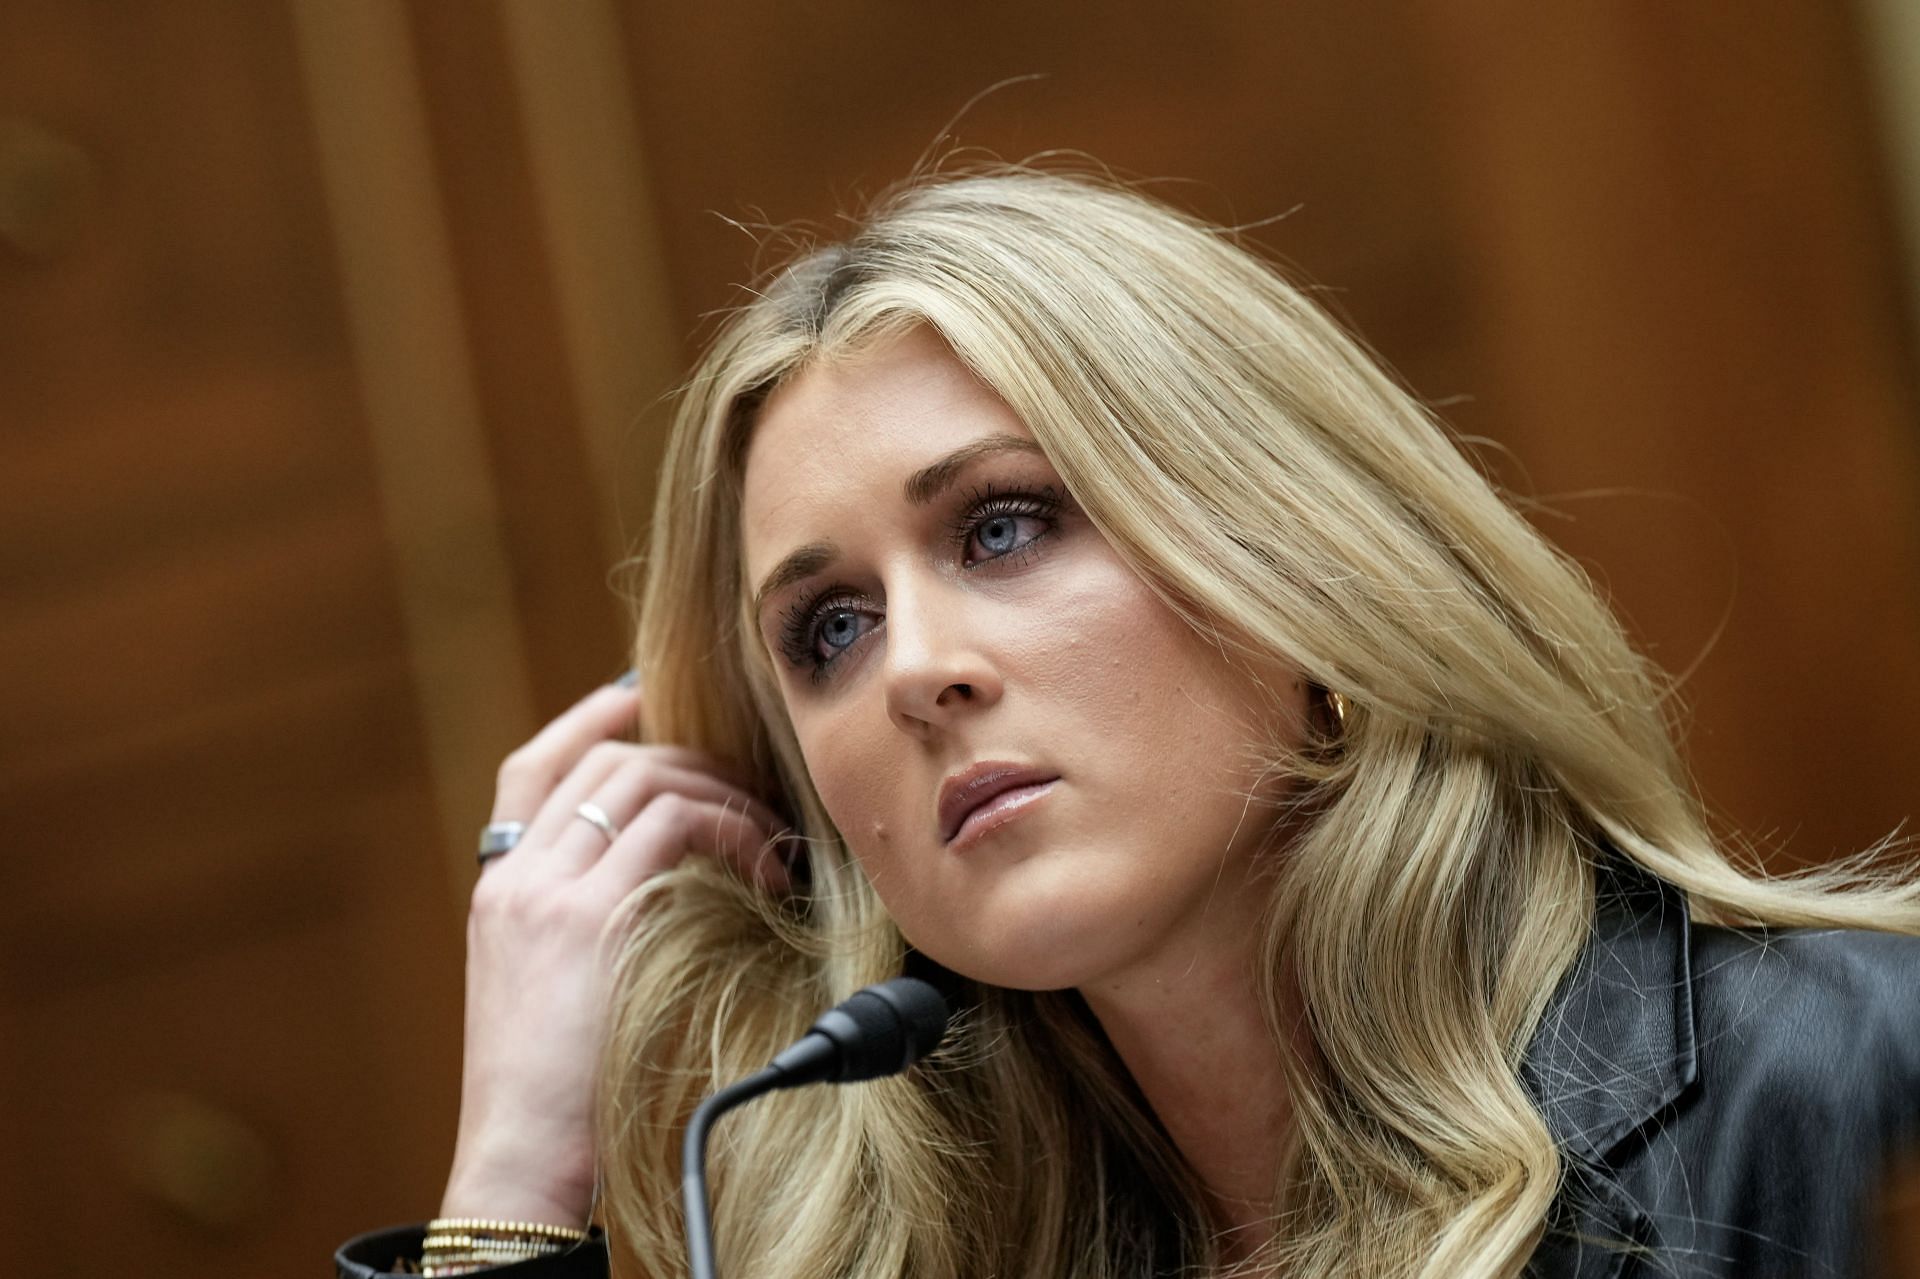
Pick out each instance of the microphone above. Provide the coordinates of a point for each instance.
(877, 1031)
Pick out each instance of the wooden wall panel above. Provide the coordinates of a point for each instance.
(439, 504)
(611, 272)
(1682, 288)
(229, 981)
(527, 404)
(782, 118)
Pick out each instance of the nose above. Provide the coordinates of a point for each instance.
(938, 666)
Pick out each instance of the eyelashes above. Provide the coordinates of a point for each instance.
(827, 612)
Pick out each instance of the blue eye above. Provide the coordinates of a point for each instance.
(822, 626)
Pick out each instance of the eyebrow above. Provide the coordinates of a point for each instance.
(922, 488)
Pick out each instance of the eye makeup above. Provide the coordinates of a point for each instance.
(1000, 520)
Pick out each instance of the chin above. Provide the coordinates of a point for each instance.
(1023, 937)
(1014, 972)
(1030, 972)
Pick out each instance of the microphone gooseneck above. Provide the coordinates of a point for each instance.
(879, 1030)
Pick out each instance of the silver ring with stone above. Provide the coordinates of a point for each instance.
(498, 838)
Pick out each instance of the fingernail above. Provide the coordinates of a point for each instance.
(629, 680)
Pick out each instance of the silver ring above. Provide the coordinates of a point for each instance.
(498, 838)
(598, 816)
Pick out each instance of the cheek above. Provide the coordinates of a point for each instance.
(857, 767)
(1169, 729)
(1119, 662)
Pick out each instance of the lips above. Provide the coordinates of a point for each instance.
(968, 790)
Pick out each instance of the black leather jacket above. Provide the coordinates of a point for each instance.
(1727, 1101)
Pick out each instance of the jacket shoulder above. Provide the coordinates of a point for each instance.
(1727, 1099)
(1824, 1022)
(1807, 1084)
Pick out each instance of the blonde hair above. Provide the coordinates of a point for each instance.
(1502, 730)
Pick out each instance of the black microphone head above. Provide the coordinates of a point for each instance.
(883, 1029)
(922, 1011)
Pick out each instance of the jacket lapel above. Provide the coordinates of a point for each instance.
(1615, 1046)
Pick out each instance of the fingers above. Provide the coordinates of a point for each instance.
(673, 825)
(609, 713)
(703, 804)
(529, 774)
(623, 781)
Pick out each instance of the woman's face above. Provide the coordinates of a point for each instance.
(934, 601)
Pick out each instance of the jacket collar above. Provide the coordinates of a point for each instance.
(1617, 1041)
(1615, 1046)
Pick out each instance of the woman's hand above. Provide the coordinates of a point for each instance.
(538, 974)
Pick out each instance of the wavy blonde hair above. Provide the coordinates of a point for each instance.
(1502, 730)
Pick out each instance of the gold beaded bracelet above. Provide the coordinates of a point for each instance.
(462, 1245)
(482, 1225)
(465, 1261)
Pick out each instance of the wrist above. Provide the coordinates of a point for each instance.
(525, 1189)
(515, 1201)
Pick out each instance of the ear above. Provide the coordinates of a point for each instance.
(1320, 713)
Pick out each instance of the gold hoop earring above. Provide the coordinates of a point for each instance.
(1339, 707)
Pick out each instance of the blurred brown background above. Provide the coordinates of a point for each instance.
(331, 333)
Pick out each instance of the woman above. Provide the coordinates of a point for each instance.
(1297, 829)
